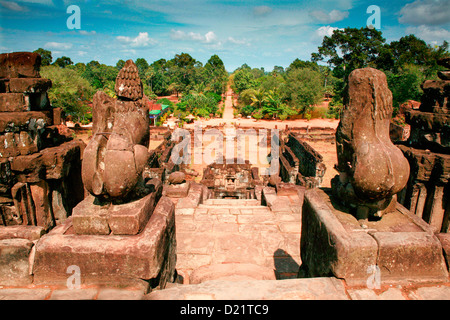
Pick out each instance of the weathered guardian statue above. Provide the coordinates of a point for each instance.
(372, 170)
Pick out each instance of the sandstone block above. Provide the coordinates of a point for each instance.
(92, 217)
(74, 294)
(23, 202)
(444, 75)
(231, 271)
(291, 289)
(414, 256)
(24, 294)
(445, 62)
(194, 197)
(13, 102)
(10, 216)
(331, 242)
(21, 143)
(120, 294)
(130, 218)
(444, 238)
(28, 168)
(40, 192)
(288, 189)
(327, 247)
(177, 190)
(20, 65)
(14, 263)
(59, 160)
(111, 260)
(24, 121)
(31, 233)
(29, 85)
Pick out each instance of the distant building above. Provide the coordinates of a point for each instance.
(156, 110)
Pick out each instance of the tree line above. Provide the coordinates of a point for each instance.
(296, 90)
(199, 86)
(279, 94)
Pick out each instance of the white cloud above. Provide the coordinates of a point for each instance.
(425, 12)
(86, 33)
(325, 31)
(432, 35)
(58, 45)
(329, 17)
(262, 10)
(209, 37)
(239, 42)
(12, 6)
(142, 40)
(46, 2)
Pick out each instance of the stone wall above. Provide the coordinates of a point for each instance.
(300, 163)
(40, 167)
(427, 193)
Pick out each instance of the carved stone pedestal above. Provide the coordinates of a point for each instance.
(147, 258)
(400, 248)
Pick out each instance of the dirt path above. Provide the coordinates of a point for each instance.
(228, 109)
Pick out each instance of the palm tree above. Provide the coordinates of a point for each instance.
(272, 103)
(257, 98)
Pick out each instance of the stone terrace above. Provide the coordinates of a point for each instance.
(239, 231)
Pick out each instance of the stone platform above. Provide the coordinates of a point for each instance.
(402, 246)
(114, 260)
(291, 289)
(229, 231)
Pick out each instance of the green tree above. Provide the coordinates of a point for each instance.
(63, 62)
(215, 75)
(278, 70)
(300, 64)
(182, 71)
(69, 91)
(257, 98)
(272, 81)
(99, 75)
(142, 66)
(46, 56)
(243, 79)
(120, 64)
(245, 97)
(304, 88)
(184, 60)
(405, 84)
(198, 104)
(351, 48)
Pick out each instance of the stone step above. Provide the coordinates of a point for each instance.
(232, 202)
(290, 289)
(223, 209)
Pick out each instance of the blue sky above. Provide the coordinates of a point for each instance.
(259, 33)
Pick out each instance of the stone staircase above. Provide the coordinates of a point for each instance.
(232, 203)
(237, 232)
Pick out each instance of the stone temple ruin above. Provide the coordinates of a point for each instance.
(359, 225)
(40, 167)
(123, 231)
(428, 152)
(124, 214)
